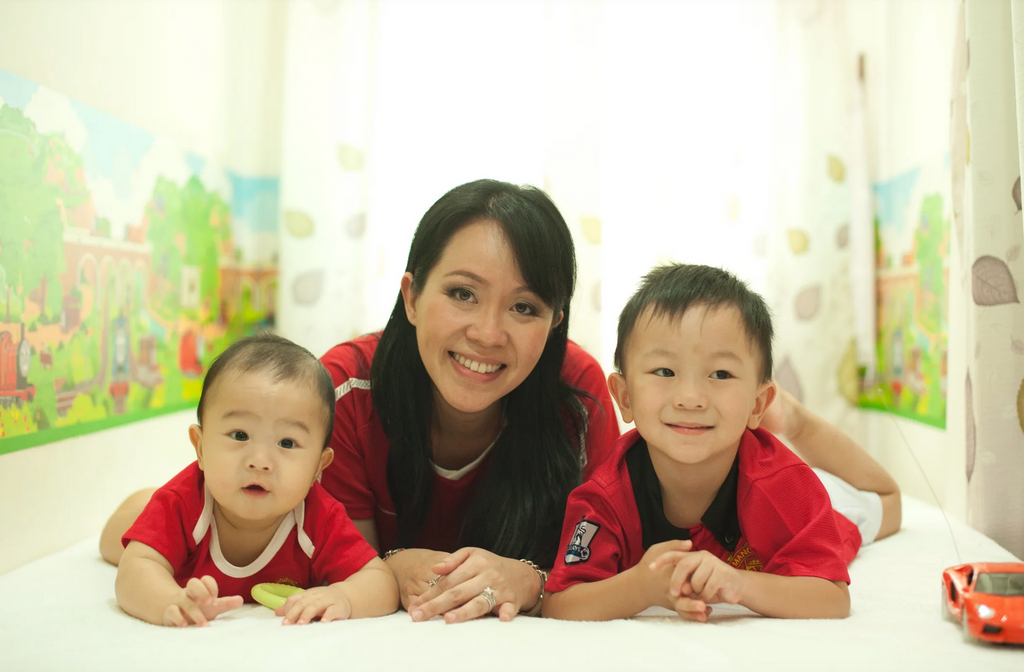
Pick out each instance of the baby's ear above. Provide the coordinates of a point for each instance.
(617, 387)
(195, 435)
(765, 396)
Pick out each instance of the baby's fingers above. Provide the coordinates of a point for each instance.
(335, 612)
(222, 604)
(173, 617)
(198, 591)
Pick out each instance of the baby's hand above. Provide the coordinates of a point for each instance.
(198, 604)
(328, 602)
(700, 578)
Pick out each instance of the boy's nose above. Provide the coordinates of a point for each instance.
(690, 394)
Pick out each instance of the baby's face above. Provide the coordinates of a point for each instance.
(261, 445)
(692, 385)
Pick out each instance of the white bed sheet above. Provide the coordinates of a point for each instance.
(61, 615)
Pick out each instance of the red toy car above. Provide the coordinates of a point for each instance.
(988, 598)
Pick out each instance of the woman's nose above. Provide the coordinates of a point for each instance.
(488, 328)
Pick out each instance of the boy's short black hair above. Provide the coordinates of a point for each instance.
(281, 358)
(673, 289)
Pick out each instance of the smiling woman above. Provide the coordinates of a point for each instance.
(461, 429)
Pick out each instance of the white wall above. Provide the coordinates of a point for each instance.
(205, 75)
(908, 45)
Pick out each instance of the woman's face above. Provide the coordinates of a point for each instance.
(480, 330)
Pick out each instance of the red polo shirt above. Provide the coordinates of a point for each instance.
(772, 514)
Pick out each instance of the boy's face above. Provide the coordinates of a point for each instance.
(261, 445)
(692, 385)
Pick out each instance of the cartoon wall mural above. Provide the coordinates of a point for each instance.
(126, 265)
(912, 245)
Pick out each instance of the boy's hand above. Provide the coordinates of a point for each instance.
(330, 603)
(700, 577)
(198, 604)
(653, 583)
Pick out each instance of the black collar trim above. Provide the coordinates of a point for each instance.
(721, 518)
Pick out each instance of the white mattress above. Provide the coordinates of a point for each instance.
(61, 614)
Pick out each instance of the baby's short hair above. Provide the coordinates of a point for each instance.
(672, 289)
(283, 360)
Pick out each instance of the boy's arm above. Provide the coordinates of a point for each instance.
(370, 591)
(795, 596)
(146, 589)
(619, 596)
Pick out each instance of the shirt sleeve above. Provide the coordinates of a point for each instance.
(346, 478)
(166, 526)
(339, 548)
(790, 524)
(592, 545)
(584, 373)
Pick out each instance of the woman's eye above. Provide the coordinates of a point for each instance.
(239, 435)
(664, 373)
(286, 443)
(524, 309)
(461, 294)
(721, 375)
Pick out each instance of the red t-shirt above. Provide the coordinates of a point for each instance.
(771, 515)
(315, 544)
(358, 475)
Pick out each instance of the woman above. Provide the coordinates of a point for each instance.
(461, 429)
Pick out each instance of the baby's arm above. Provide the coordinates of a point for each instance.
(146, 589)
(619, 596)
(702, 576)
(370, 591)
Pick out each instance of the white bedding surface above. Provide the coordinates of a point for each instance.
(61, 615)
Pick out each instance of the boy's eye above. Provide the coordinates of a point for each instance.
(664, 373)
(239, 435)
(286, 443)
(721, 375)
(524, 309)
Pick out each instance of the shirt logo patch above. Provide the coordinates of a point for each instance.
(744, 558)
(579, 545)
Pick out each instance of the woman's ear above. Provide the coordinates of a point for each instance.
(617, 386)
(558, 320)
(409, 298)
(765, 396)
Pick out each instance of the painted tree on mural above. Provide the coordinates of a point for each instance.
(31, 248)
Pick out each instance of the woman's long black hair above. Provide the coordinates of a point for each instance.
(519, 503)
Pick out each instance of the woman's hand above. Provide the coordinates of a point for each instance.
(413, 572)
(463, 576)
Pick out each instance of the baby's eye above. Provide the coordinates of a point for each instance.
(721, 375)
(286, 443)
(239, 435)
(664, 373)
(524, 309)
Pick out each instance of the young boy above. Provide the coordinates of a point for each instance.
(699, 504)
(250, 510)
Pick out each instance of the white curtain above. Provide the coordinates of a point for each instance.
(987, 114)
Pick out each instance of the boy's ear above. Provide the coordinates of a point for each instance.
(326, 457)
(765, 396)
(617, 386)
(409, 298)
(195, 435)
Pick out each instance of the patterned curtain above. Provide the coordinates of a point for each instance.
(987, 116)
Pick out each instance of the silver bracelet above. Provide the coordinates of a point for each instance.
(543, 581)
(392, 552)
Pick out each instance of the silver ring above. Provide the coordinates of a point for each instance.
(433, 581)
(488, 594)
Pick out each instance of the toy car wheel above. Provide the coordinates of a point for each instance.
(944, 605)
